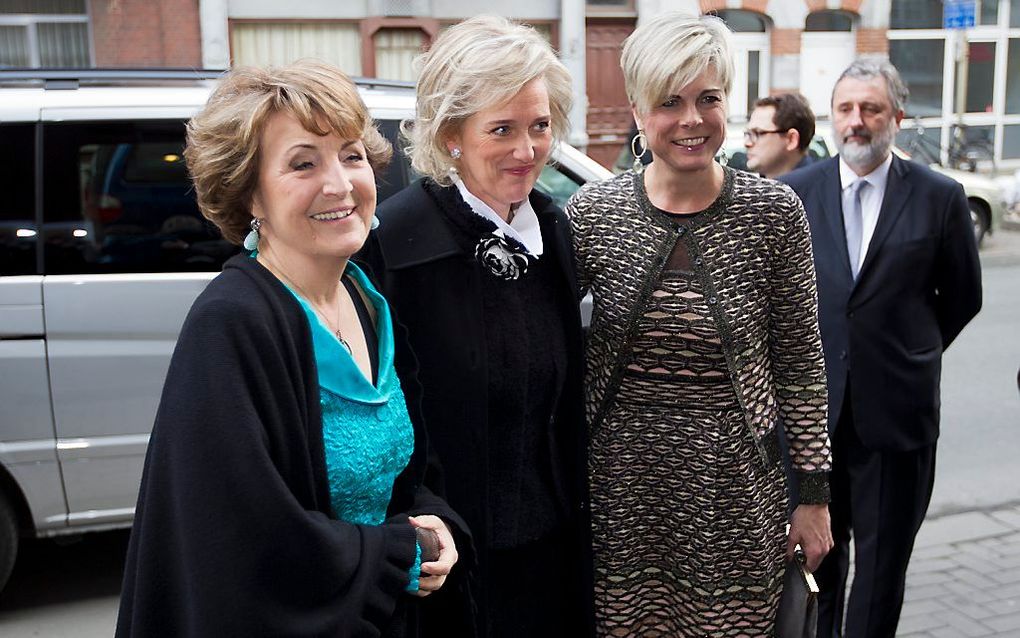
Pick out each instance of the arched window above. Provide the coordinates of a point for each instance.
(741, 21)
(829, 21)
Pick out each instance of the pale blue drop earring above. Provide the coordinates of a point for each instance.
(375, 222)
(251, 240)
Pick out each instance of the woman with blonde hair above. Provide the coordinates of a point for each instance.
(704, 336)
(478, 266)
(284, 486)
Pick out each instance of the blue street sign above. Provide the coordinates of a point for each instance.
(958, 14)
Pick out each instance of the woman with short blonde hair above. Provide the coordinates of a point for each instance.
(477, 264)
(704, 336)
(471, 69)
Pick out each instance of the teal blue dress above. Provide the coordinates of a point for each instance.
(366, 429)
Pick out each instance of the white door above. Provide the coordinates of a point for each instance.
(823, 56)
(751, 72)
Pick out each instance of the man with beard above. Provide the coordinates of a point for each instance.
(898, 278)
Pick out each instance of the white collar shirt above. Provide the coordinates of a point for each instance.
(871, 198)
(523, 227)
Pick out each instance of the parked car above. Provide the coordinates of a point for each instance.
(102, 251)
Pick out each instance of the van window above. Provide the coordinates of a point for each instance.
(399, 173)
(117, 199)
(18, 229)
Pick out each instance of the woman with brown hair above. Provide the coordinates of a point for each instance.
(284, 487)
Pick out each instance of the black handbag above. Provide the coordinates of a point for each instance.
(798, 606)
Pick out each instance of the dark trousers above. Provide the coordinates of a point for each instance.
(535, 590)
(880, 499)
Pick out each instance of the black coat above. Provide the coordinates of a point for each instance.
(234, 533)
(919, 285)
(434, 286)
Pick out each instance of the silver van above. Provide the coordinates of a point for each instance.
(102, 251)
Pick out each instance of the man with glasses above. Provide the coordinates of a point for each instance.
(778, 134)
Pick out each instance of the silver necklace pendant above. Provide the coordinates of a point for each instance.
(343, 341)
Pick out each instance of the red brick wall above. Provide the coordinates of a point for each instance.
(853, 6)
(816, 5)
(142, 33)
(872, 41)
(785, 41)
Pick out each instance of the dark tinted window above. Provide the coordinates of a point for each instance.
(117, 199)
(17, 209)
(399, 173)
(558, 184)
(915, 14)
(828, 21)
(740, 20)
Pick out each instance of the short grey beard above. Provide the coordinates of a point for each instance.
(870, 154)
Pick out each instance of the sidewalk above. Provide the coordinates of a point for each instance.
(1002, 248)
(964, 577)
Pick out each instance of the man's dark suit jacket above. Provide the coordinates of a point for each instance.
(919, 285)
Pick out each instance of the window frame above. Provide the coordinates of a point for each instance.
(1000, 34)
(31, 23)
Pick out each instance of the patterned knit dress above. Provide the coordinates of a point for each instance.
(688, 521)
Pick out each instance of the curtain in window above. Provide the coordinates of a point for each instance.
(394, 53)
(63, 44)
(268, 43)
(14, 47)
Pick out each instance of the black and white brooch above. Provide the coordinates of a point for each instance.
(504, 259)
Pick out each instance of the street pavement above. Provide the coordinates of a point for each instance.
(964, 577)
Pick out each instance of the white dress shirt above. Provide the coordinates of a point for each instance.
(871, 198)
(523, 227)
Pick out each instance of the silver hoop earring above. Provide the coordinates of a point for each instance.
(251, 240)
(455, 153)
(639, 139)
(723, 157)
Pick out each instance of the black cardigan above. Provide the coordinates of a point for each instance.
(434, 285)
(234, 533)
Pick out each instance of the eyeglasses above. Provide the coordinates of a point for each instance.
(751, 135)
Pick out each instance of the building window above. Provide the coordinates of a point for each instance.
(1013, 77)
(1011, 142)
(395, 50)
(980, 77)
(741, 21)
(829, 21)
(920, 64)
(922, 142)
(1014, 13)
(916, 14)
(989, 13)
(44, 33)
(278, 43)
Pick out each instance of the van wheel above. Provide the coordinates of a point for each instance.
(8, 540)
